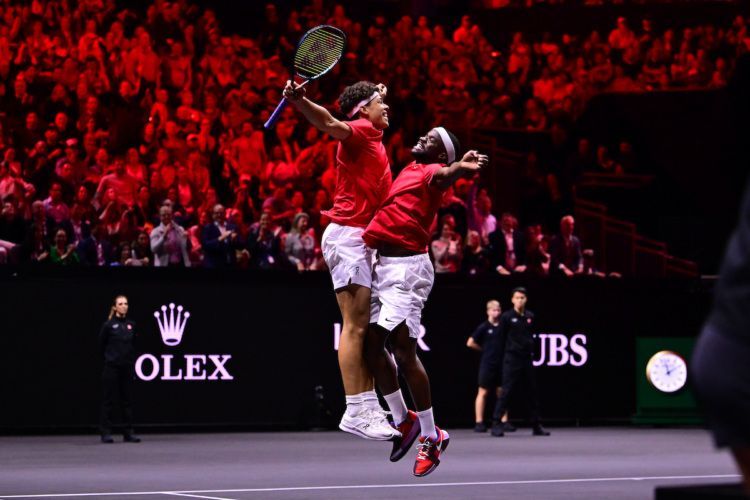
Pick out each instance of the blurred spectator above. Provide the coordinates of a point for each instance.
(248, 153)
(565, 249)
(11, 181)
(94, 249)
(264, 245)
(54, 205)
(537, 255)
(62, 253)
(141, 253)
(36, 247)
(605, 163)
(219, 240)
(453, 208)
(279, 172)
(169, 241)
(621, 37)
(476, 259)
(125, 187)
(12, 231)
(447, 250)
(589, 264)
(194, 237)
(479, 212)
(507, 248)
(124, 257)
(41, 222)
(300, 244)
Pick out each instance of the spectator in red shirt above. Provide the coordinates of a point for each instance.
(125, 186)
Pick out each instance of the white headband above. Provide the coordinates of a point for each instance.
(448, 143)
(362, 103)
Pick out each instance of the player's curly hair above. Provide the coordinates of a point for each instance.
(355, 93)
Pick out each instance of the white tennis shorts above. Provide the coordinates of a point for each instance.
(400, 286)
(347, 256)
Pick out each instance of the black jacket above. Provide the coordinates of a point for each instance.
(518, 332)
(218, 253)
(117, 341)
(498, 247)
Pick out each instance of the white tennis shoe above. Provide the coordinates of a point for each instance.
(369, 423)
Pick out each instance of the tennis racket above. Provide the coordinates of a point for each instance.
(316, 54)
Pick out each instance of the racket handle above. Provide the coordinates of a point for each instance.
(276, 114)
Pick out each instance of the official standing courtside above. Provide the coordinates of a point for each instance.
(517, 326)
(487, 340)
(117, 343)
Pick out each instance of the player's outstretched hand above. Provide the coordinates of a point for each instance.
(473, 160)
(293, 92)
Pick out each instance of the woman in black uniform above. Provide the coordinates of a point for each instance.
(116, 340)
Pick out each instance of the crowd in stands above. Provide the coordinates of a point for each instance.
(500, 4)
(134, 138)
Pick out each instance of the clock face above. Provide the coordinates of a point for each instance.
(667, 371)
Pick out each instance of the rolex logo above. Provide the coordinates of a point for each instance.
(171, 325)
(171, 320)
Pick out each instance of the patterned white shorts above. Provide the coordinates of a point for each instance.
(347, 256)
(400, 286)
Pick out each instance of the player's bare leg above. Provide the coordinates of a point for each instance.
(363, 416)
(354, 302)
(433, 440)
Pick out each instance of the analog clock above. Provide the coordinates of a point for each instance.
(667, 371)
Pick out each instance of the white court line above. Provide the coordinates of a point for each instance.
(194, 496)
(381, 486)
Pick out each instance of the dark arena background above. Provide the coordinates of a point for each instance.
(134, 161)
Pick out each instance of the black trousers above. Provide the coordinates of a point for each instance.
(117, 383)
(517, 368)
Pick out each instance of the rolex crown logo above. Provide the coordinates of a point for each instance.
(171, 325)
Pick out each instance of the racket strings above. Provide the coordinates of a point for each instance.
(318, 52)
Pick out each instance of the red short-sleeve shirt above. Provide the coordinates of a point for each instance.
(407, 213)
(363, 175)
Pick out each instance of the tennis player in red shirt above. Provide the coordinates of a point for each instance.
(402, 279)
(363, 178)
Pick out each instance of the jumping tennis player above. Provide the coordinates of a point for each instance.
(402, 279)
(362, 182)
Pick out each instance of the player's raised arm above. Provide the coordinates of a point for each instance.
(317, 115)
(471, 162)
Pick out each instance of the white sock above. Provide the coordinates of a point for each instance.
(370, 400)
(397, 405)
(427, 422)
(354, 404)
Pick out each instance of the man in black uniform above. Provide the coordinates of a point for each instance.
(487, 340)
(116, 339)
(516, 327)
